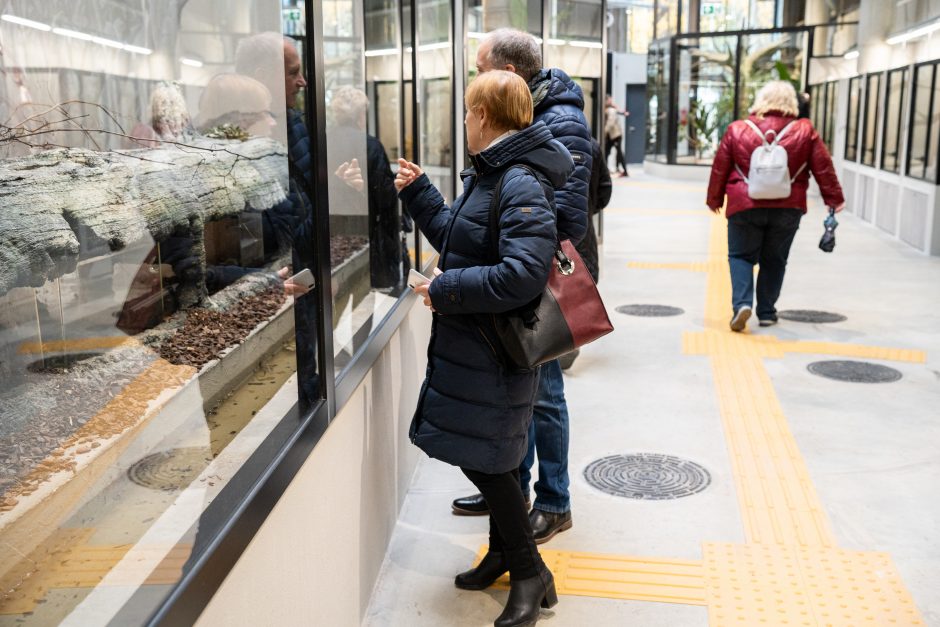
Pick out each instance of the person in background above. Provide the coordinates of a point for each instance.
(473, 410)
(559, 103)
(761, 231)
(613, 135)
(804, 100)
(598, 197)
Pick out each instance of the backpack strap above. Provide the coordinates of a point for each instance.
(495, 212)
(769, 144)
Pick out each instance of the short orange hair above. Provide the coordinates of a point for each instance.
(504, 97)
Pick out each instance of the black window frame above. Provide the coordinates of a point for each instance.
(934, 67)
(851, 137)
(864, 148)
(899, 124)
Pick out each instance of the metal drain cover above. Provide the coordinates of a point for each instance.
(650, 311)
(811, 315)
(170, 470)
(647, 476)
(854, 371)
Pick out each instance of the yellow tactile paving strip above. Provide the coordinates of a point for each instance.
(623, 577)
(76, 344)
(65, 560)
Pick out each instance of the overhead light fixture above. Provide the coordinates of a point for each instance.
(74, 34)
(190, 62)
(138, 49)
(22, 21)
(851, 54)
(914, 33)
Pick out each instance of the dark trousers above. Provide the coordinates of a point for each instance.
(510, 531)
(760, 236)
(615, 143)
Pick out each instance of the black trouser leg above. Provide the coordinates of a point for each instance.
(510, 531)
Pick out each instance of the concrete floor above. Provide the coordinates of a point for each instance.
(870, 450)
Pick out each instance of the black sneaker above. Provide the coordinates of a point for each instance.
(768, 322)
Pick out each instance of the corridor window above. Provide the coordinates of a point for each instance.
(871, 119)
(851, 125)
(891, 138)
(924, 124)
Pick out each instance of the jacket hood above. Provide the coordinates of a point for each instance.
(532, 146)
(552, 87)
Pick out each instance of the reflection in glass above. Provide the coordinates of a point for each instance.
(920, 112)
(145, 278)
(894, 96)
(851, 127)
(872, 85)
(365, 221)
(435, 93)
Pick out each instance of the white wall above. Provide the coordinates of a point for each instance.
(316, 558)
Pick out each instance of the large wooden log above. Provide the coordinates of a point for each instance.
(55, 204)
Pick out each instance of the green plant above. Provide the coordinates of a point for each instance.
(702, 129)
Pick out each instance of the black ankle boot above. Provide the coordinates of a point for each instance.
(490, 568)
(526, 596)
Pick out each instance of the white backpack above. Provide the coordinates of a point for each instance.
(769, 173)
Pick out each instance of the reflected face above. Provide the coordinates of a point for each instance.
(293, 77)
(474, 125)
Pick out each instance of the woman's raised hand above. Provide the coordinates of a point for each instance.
(407, 173)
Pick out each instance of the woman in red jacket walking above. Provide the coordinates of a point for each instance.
(762, 230)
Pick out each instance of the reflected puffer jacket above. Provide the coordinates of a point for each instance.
(473, 411)
(803, 145)
(559, 103)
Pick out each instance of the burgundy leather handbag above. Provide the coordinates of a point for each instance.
(567, 315)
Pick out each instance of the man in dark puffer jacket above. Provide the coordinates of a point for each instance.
(559, 103)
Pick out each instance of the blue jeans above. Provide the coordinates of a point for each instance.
(763, 236)
(548, 434)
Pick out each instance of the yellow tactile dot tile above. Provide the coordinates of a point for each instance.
(623, 577)
(756, 584)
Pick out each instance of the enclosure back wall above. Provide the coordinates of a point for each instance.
(164, 167)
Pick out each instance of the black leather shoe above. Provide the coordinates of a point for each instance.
(546, 525)
(526, 596)
(474, 505)
(491, 567)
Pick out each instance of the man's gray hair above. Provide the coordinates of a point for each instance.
(509, 46)
(260, 54)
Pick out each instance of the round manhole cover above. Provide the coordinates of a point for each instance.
(811, 315)
(647, 476)
(854, 371)
(170, 470)
(650, 311)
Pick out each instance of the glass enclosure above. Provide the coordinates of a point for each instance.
(574, 45)
(716, 77)
(151, 212)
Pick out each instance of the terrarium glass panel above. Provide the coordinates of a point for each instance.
(366, 230)
(148, 221)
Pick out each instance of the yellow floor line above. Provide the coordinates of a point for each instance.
(76, 344)
(623, 577)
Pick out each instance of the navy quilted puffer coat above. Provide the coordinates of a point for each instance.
(559, 103)
(473, 412)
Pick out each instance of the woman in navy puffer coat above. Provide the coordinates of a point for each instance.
(474, 411)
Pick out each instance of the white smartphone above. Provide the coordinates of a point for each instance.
(304, 277)
(415, 279)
